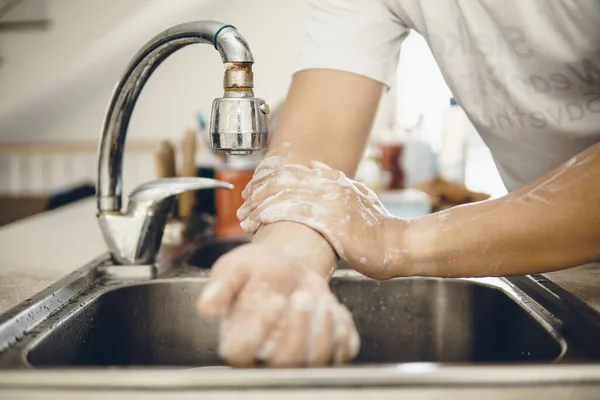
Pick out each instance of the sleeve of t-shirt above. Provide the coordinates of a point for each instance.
(359, 36)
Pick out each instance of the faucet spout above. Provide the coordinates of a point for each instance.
(238, 126)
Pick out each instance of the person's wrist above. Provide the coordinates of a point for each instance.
(301, 243)
(394, 247)
(421, 246)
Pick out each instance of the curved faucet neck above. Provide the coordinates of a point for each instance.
(235, 54)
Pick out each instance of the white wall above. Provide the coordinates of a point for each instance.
(55, 86)
(32, 58)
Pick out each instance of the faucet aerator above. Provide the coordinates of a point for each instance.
(239, 124)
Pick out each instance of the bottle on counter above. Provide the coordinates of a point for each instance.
(389, 146)
(237, 170)
(456, 128)
(370, 171)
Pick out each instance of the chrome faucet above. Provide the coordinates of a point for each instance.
(238, 126)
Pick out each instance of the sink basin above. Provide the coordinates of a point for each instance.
(209, 251)
(401, 320)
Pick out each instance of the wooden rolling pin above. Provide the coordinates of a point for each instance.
(188, 168)
(165, 160)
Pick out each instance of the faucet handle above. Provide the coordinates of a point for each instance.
(158, 195)
(160, 189)
(135, 237)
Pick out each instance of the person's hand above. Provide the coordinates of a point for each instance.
(347, 213)
(276, 311)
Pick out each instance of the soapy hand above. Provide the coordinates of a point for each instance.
(276, 311)
(347, 213)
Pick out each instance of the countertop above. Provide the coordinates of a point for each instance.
(39, 250)
(582, 282)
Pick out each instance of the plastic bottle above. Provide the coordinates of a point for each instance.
(456, 128)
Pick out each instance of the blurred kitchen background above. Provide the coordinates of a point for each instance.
(59, 61)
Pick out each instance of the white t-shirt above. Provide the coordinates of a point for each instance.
(527, 72)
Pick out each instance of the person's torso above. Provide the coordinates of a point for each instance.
(527, 72)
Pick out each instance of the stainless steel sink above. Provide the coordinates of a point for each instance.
(105, 316)
(402, 320)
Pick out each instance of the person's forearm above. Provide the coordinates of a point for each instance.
(552, 223)
(327, 117)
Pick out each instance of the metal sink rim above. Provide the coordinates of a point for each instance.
(404, 375)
